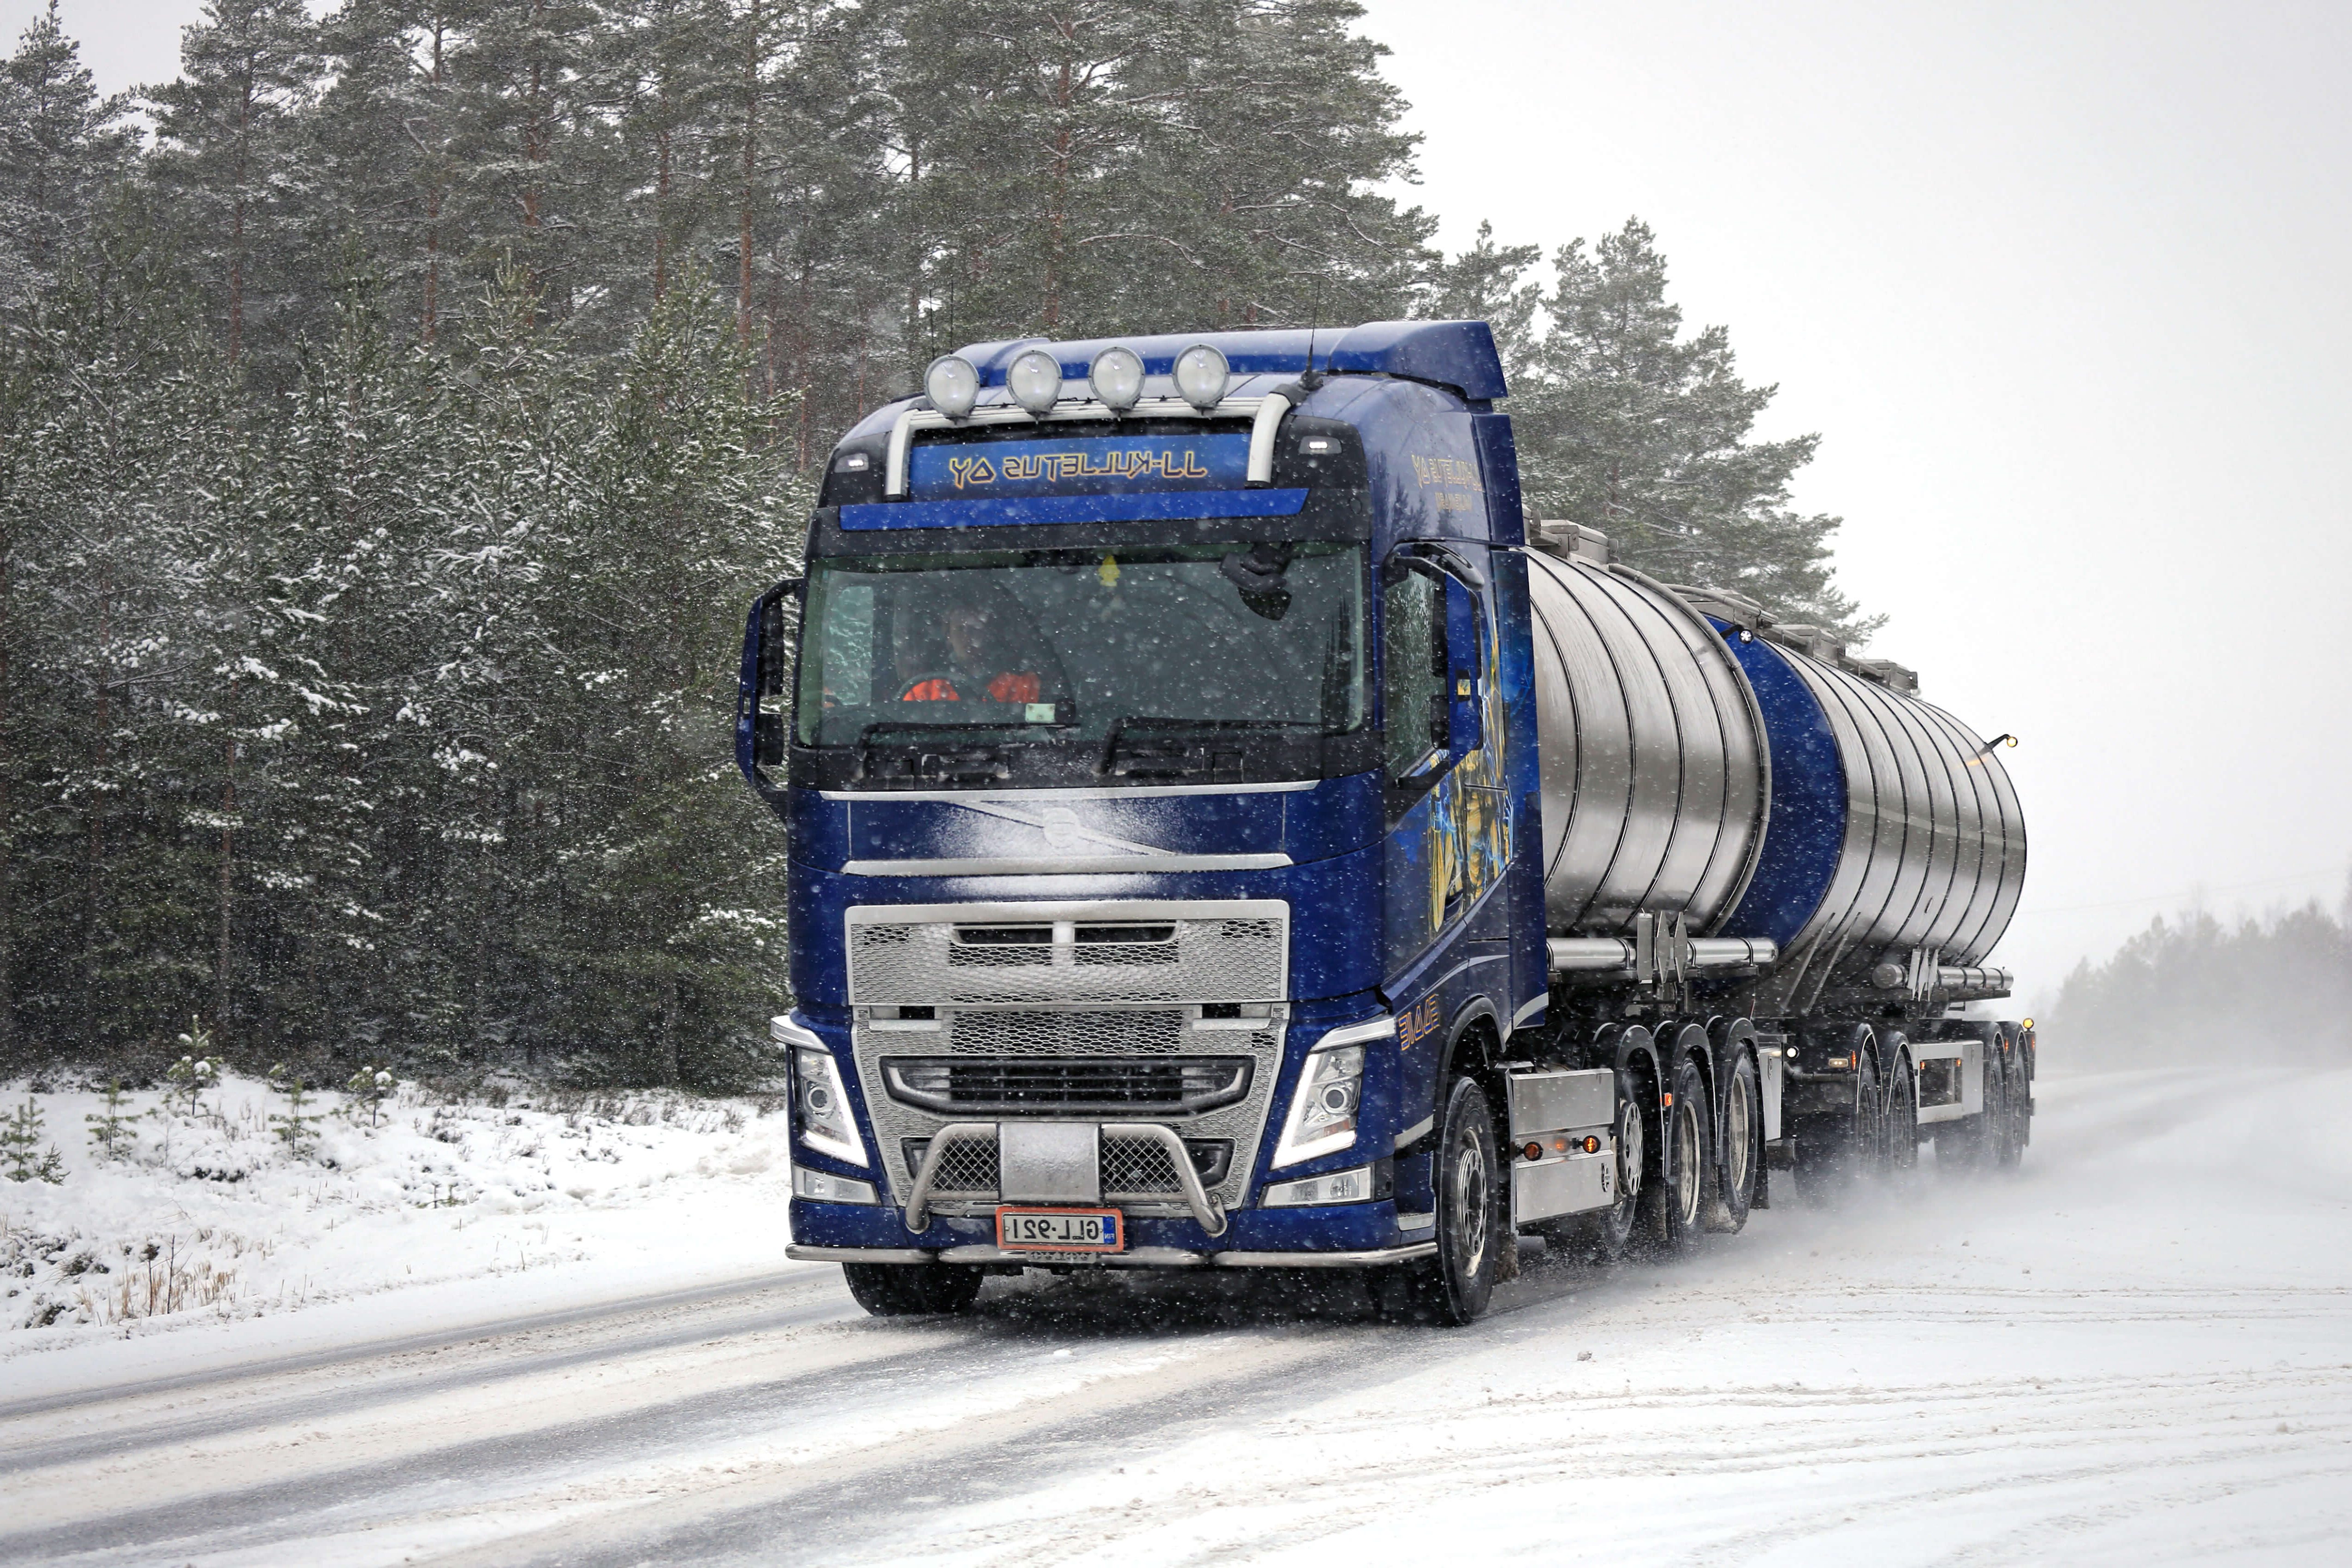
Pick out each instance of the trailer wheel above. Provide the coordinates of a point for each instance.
(2008, 1128)
(1838, 1153)
(912, 1289)
(1965, 1145)
(1733, 1194)
(1602, 1236)
(1675, 1206)
(1472, 1221)
(1901, 1130)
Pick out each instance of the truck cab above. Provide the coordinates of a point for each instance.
(1152, 729)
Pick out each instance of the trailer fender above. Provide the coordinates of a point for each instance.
(1687, 1041)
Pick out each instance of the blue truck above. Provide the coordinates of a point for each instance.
(1224, 832)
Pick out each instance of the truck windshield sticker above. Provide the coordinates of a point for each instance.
(1080, 467)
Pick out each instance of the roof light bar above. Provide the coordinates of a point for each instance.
(952, 383)
(1035, 379)
(1202, 375)
(1115, 379)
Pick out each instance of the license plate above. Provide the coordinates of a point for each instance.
(1059, 1230)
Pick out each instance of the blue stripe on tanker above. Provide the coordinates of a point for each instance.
(1806, 829)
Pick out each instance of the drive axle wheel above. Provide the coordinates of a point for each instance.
(1602, 1236)
(1733, 1192)
(912, 1289)
(1677, 1206)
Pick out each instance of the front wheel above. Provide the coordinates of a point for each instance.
(912, 1289)
(1473, 1219)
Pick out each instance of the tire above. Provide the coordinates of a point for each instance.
(1899, 1132)
(912, 1289)
(1602, 1236)
(1675, 1209)
(2023, 1095)
(1837, 1154)
(2009, 1138)
(1964, 1147)
(1734, 1191)
(1473, 1220)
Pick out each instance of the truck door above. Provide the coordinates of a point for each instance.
(1447, 811)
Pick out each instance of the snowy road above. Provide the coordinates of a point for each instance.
(2139, 1349)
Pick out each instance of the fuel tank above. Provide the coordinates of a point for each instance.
(1753, 779)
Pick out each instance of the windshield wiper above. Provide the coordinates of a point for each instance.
(983, 763)
(1161, 747)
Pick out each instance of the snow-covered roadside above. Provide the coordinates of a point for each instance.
(514, 1202)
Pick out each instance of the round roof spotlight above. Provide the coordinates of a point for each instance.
(1116, 378)
(1035, 379)
(952, 385)
(1201, 375)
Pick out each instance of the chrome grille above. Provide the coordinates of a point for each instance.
(1228, 950)
(1158, 1085)
(1138, 1166)
(967, 1168)
(1135, 1169)
(1137, 988)
(1042, 1034)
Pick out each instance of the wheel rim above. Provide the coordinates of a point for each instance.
(1469, 1184)
(1903, 1123)
(1631, 1152)
(1738, 1133)
(1687, 1156)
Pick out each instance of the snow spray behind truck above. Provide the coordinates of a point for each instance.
(1224, 835)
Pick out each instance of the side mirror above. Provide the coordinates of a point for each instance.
(1464, 673)
(762, 703)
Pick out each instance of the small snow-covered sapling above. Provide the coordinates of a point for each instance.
(370, 1087)
(109, 1127)
(195, 1072)
(20, 1137)
(298, 1124)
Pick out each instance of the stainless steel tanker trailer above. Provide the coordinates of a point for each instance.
(1226, 833)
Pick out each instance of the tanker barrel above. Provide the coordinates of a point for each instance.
(1702, 764)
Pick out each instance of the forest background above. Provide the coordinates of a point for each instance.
(397, 408)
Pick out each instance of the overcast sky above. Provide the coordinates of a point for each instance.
(2065, 290)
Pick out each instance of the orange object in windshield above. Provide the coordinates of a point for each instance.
(1010, 686)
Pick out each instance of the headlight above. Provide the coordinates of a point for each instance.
(1116, 378)
(952, 385)
(1323, 1107)
(1201, 375)
(1339, 1187)
(825, 1189)
(827, 1125)
(1035, 381)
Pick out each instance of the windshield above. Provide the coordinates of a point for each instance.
(1073, 645)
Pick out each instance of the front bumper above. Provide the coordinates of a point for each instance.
(1335, 1235)
(1135, 1258)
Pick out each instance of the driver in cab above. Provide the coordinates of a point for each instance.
(980, 667)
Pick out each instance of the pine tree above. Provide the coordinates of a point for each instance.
(231, 148)
(1488, 283)
(1635, 429)
(61, 146)
(111, 1131)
